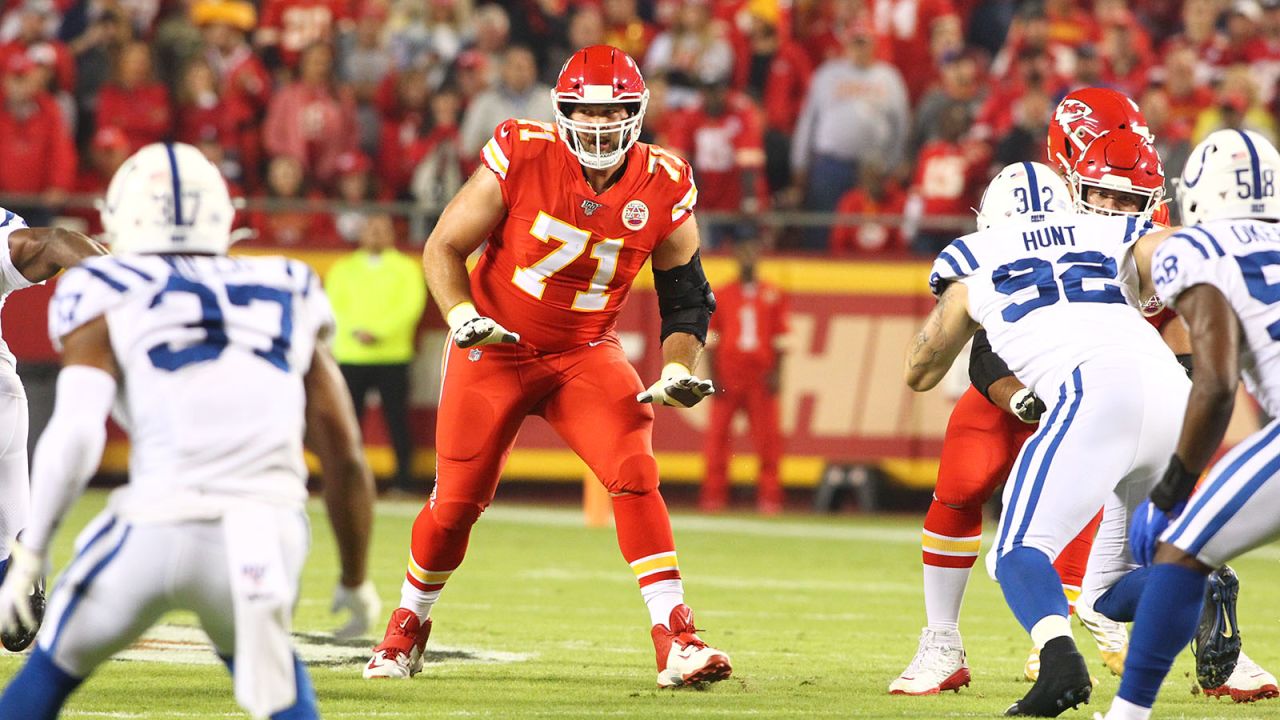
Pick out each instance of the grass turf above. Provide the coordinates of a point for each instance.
(818, 614)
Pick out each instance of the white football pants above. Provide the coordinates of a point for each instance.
(15, 479)
(124, 576)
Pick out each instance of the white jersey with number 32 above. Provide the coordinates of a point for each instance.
(1053, 291)
(1242, 259)
(212, 351)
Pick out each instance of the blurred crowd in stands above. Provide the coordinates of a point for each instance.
(895, 110)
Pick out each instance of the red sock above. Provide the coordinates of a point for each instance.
(1074, 559)
(952, 537)
(439, 542)
(644, 535)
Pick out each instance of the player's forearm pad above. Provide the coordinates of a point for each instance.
(685, 300)
(985, 366)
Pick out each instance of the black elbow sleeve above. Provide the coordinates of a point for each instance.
(985, 367)
(685, 300)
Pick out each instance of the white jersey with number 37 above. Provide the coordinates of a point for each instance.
(1053, 291)
(212, 351)
(1242, 259)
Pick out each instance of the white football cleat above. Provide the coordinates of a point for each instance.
(399, 655)
(1112, 637)
(683, 659)
(1248, 682)
(939, 665)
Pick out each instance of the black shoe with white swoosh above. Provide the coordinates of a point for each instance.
(1217, 641)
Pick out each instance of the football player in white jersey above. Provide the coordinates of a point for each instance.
(1218, 273)
(1057, 293)
(28, 256)
(216, 366)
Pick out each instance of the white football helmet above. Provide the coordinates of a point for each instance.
(1230, 174)
(1021, 190)
(168, 198)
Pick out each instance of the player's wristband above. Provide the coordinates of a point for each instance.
(1187, 362)
(1176, 485)
(460, 314)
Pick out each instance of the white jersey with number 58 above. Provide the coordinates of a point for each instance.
(212, 351)
(1053, 291)
(1242, 259)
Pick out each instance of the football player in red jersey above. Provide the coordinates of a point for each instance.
(571, 212)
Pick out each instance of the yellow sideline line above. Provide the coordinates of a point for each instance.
(799, 275)
(563, 466)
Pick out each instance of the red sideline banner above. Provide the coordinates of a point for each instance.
(843, 397)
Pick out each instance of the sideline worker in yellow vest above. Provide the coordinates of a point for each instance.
(378, 294)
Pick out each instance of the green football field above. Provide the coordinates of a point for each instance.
(544, 620)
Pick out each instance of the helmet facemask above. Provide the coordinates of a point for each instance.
(599, 145)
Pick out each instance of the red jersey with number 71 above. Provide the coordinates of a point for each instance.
(559, 266)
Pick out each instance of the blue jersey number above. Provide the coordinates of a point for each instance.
(213, 323)
(1252, 266)
(1038, 273)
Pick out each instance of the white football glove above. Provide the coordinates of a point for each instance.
(677, 388)
(365, 607)
(1027, 406)
(25, 569)
(471, 329)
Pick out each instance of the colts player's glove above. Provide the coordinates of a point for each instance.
(1145, 528)
(1027, 406)
(677, 388)
(470, 329)
(364, 605)
(25, 567)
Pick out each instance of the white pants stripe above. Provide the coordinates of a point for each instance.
(1234, 511)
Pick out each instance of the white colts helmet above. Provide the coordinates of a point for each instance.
(1020, 191)
(168, 198)
(1230, 174)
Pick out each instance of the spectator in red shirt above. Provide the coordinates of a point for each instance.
(133, 101)
(1069, 23)
(243, 82)
(721, 138)
(1172, 142)
(37, 155)
(746, 359)
(290, 26)
(404, 122)
(880, 202)
(294, 227)
(911, 26)
(198, 104)
(313, 119)
(107, 152)
(1189, 94)
(1200, 33)
(35, 39)
(785, 88)
(947, 171)
(1127, 69)
(1244, 42)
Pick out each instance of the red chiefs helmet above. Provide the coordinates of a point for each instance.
(1120, 161)
(1085, 115)
(600, 75)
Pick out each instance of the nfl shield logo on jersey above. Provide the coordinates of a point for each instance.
(635, 215)
(474, 355)
(589, 207)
